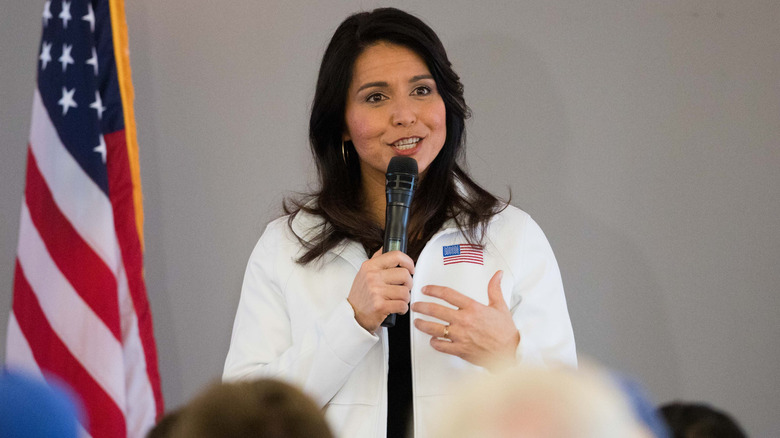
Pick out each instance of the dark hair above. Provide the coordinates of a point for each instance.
(265, 408)
(446, 191)
(165, 425)
(696, 420)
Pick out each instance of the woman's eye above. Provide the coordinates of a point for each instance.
(374, 98)
(422, 91)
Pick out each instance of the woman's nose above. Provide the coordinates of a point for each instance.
(404, 113)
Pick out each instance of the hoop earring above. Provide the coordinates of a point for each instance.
(344, 153)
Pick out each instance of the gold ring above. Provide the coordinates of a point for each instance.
(446, 332)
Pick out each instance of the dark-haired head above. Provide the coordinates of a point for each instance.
(699, 420)
(445, 191)
(353, 36)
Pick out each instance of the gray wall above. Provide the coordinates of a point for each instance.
(642, 136)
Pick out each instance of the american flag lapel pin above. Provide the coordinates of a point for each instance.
(462, 253)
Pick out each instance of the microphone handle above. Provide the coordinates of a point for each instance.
(392, 245)
(395, 239)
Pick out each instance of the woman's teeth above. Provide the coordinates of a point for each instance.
(407, 143)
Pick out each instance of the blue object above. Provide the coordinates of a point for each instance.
(31, 408)
(640, 403)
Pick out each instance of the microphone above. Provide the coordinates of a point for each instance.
(400, 179)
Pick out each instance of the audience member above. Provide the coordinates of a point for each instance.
(31, 408)
(164, 426)
(698, 420)
(258, 408)
(540, 403)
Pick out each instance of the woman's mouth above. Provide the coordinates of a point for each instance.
(406, 143)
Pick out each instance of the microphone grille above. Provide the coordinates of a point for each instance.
(406, 165)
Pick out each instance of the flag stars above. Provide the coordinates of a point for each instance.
(67, 100)
(101, 149)
(98, 106)
(66, 59)
(90, 17)
(47, 13)
(65, 14)
(93, 61)
(45, 54)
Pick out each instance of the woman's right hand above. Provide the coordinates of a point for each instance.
(382, 286)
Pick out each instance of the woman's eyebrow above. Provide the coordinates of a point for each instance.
(372, 84)
(420, 77)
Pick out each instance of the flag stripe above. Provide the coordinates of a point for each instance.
(141, 413)
(77, 195)
(24, 361)
(463, 260)
(84, 269)
(22, 357)
(105, 419)
(102, 355)
(122, 200)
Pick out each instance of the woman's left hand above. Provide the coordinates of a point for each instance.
(483, 335)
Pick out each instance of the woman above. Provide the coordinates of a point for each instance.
(486, 290)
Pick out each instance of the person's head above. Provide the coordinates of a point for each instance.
(391, 46)
(32, 408)
(539, 403)
(165, 425)
(698, 420)
(386, 88)
(260, 408)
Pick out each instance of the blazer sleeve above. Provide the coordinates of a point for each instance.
(317, 355)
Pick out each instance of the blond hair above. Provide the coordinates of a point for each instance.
(539, 403)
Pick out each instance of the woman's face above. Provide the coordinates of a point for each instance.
(393, 108)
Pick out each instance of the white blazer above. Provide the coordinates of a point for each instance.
(294, 322)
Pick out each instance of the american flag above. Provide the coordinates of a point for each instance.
(462, 253)
(80, 310)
